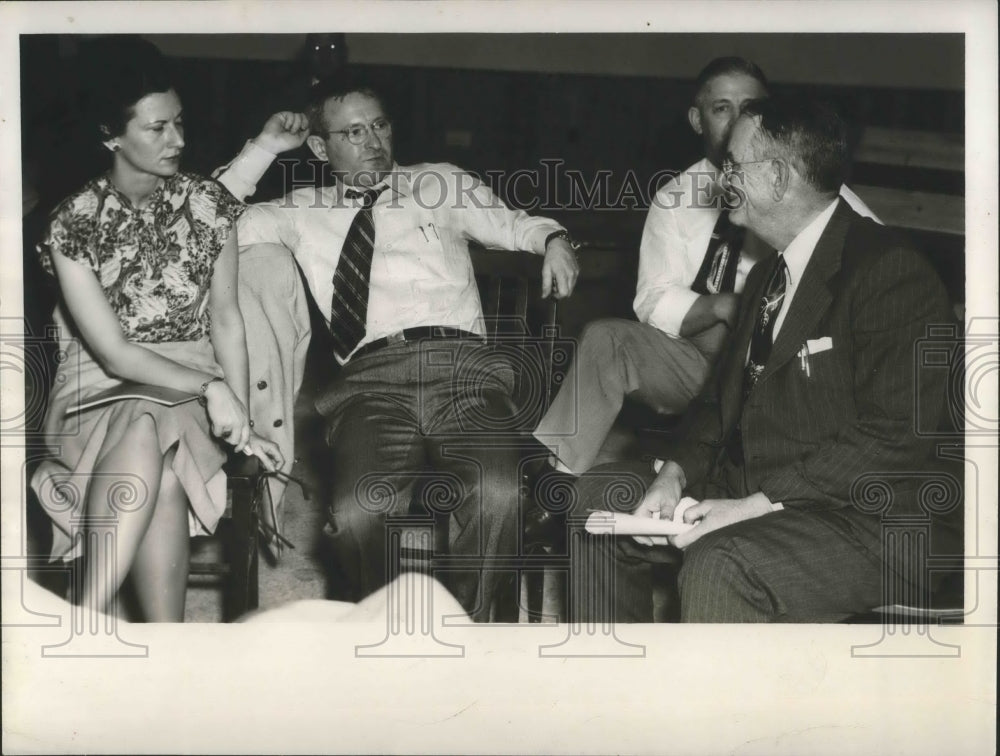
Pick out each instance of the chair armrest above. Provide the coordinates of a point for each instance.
(504, 263)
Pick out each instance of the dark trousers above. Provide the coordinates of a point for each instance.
(423, 418)
(793, 565)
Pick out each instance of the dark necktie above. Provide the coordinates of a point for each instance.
(718, 270)
(349, 309)
(762, 338)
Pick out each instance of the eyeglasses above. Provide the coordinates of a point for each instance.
(729, 167)
(357, 133)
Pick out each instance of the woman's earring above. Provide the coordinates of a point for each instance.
(112, 145)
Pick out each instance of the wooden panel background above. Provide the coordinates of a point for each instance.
(496, 122)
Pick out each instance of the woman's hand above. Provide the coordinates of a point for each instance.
(227, 415)
(268, 452)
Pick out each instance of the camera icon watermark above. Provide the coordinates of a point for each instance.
(967, 364)
(917, 510)
(44, 365)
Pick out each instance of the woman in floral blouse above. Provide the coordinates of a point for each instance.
(146, 260)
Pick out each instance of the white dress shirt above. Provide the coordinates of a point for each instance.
(421, 271)
(797, 255)
(678, 228)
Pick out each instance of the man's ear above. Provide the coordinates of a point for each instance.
(318, 146)
(694, 118)
(780, 178)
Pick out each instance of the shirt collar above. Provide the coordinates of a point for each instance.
(163, 188)
(398, 183)
(799, 251)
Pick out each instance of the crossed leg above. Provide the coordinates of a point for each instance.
(618, 358)
(134, 485)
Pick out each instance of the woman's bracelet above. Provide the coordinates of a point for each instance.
(202, 399)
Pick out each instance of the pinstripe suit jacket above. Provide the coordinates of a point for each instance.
(808, 437)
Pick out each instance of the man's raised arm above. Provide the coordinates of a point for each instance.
(282, 131)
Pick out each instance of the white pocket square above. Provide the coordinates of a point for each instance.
(815, 346)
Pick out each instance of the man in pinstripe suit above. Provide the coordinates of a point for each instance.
(818, 391)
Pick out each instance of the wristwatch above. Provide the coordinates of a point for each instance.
(563, 234)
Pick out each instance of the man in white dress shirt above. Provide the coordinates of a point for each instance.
(385, 254)
(692, 267)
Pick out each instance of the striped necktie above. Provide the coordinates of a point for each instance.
(718, 269)
(349, 309)
(762, 338)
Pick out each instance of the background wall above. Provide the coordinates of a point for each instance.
(611, 107)
(505, 102)
(917, 61)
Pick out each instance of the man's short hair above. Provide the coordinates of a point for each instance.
(808, 133)
(730, 64)
(335, 87)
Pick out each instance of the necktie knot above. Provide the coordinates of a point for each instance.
(367, 197)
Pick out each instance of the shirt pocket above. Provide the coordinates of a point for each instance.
(412, 245)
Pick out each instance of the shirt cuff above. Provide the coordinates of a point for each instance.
(777, 506)
(540, 234)
(670, 310)
(246, 169)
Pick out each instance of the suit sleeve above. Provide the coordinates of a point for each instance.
(893, 301)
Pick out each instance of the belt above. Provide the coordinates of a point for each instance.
(416, 334)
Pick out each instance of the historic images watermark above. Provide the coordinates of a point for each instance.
(551, 187)
(962, 361)
(917, 507)
(45, 364)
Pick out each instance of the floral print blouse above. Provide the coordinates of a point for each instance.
(154, 264)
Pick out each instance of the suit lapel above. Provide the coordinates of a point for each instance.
(732, 390)
(813, 295)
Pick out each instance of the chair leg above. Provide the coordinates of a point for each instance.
(534, 588)
(242, 593)
(554, 582)
(506, 607)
